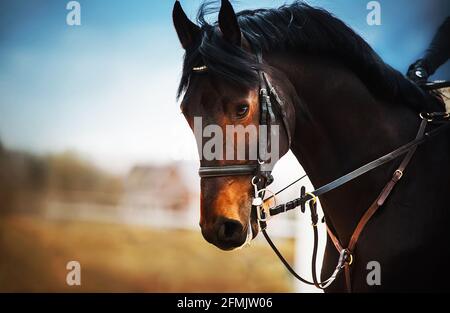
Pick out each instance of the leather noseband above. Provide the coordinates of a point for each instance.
(227, 170)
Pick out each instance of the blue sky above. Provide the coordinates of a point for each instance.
(107, 88)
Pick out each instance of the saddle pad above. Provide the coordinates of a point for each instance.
(446, 96)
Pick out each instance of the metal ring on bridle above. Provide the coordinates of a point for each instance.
(313, 197)
(350, 256)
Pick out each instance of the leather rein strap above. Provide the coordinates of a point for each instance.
(282, 208)
(379, 201)
(346, 255)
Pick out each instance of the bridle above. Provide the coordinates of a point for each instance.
(262, 177)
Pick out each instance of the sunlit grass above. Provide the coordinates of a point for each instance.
(116, 258)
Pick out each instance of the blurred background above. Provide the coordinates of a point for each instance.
(97, 164)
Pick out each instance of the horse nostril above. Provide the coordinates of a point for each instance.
(229, 230)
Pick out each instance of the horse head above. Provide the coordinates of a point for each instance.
(222, 96)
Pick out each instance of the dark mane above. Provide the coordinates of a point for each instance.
(296, 27)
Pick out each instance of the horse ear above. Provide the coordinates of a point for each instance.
(187, 31)
(228, 23)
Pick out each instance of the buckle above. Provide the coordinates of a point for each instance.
(435, 116)
(399, 174)
(425, 116)
(259, 210)
(262, 212)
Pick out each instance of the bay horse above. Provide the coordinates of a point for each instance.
(344, 107)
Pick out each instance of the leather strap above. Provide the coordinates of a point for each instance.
(346, 257)
(339, 248)
(334, 239)
(436, 85)
(398, 174)
(227, 170)
(291, 205)
(278, 105)
(267, 118)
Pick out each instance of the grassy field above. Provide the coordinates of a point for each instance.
(118, 258)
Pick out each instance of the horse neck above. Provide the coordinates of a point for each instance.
(348, 127)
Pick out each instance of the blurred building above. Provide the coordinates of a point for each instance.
(156, 188)
(160, 196)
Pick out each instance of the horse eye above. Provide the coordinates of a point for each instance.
(242, 110)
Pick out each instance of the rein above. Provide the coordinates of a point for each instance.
(346, 257)
(262, 177)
